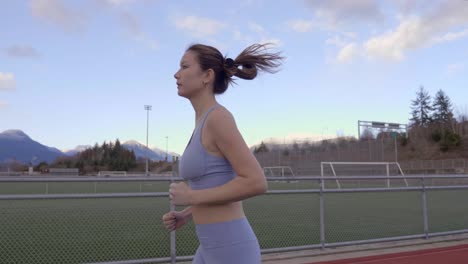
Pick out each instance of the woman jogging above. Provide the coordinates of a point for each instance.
(220, 169)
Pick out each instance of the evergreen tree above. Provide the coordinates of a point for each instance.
(443, 111)
(367, 134)
(261, 148)
(108, 156)
(421, 109)
(295, 147)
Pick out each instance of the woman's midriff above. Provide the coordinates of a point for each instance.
(209, 214)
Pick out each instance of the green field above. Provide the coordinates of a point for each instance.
(110, 229)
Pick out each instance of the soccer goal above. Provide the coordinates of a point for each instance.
(112, 173)
(343, 169)
(278, 171)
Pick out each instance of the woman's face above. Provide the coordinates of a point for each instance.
(189, 76)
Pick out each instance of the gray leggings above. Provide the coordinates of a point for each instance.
(231, 242)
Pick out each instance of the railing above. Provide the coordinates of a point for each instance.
(118, 220)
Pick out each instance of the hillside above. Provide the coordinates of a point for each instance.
(416, 147)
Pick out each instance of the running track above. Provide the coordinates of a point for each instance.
(447, 255)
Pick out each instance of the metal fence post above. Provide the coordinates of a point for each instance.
(424, 204)
(173, 233)
(322, 210)
(388, 175)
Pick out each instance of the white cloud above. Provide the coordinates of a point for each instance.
(7, 81)
(248, 40)
(239, 7)
(420, 24)
(348, 53)
(119, 2)
(263, 36)
(336, 40)
(23, 51)
(410, 34)
(419, 31)
(239, 36)
(455, 68)
(348, 48)
(451, 36)
(337, 13)
(301, 26)
(147, 41)
(256, 28)
(71, 18)
(133, 26)
(199, 27)
(131, 23)
(55, 12)
(349, 34)
(406, 7)
(274, 41)
(3, 105)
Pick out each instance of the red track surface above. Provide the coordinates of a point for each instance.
(446, 255)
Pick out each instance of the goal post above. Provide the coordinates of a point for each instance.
(278, 171)
(112, 173)
(360, 167)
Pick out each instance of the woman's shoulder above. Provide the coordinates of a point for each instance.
(219, 117)
(221, 112)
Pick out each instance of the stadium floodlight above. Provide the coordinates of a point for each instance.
(147, 108)
(167, 140)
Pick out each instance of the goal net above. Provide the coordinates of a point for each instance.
(362, 169)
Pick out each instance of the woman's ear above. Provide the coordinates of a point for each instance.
(209, 76)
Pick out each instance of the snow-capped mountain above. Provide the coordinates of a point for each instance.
(16, 145)
(141, 151)
(163, 153)
(78, 148)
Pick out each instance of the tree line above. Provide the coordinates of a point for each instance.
(105, 157)
(431, 117)
(427, 112)
(434, 116)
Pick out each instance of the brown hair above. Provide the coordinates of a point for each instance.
(245, 66)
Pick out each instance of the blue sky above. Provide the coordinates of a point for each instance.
(80, 72)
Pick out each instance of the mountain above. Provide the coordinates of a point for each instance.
(16, 145)
(56, 150)
(162, 153)
(141, 151)
(78, 148)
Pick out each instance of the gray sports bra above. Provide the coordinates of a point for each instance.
(201, 169)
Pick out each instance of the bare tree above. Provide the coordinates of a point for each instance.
(367, 134)
(462, 117)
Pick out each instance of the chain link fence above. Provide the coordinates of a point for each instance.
(118, 220)
(82, 230)
(304, 158)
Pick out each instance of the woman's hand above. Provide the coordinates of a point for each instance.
(174, 220)
(180, 194)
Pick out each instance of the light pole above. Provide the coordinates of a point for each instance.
(147, 108)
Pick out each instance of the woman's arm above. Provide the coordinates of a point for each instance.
(187, 212)
(175, 220)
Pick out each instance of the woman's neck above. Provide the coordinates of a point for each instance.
(201, 105)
